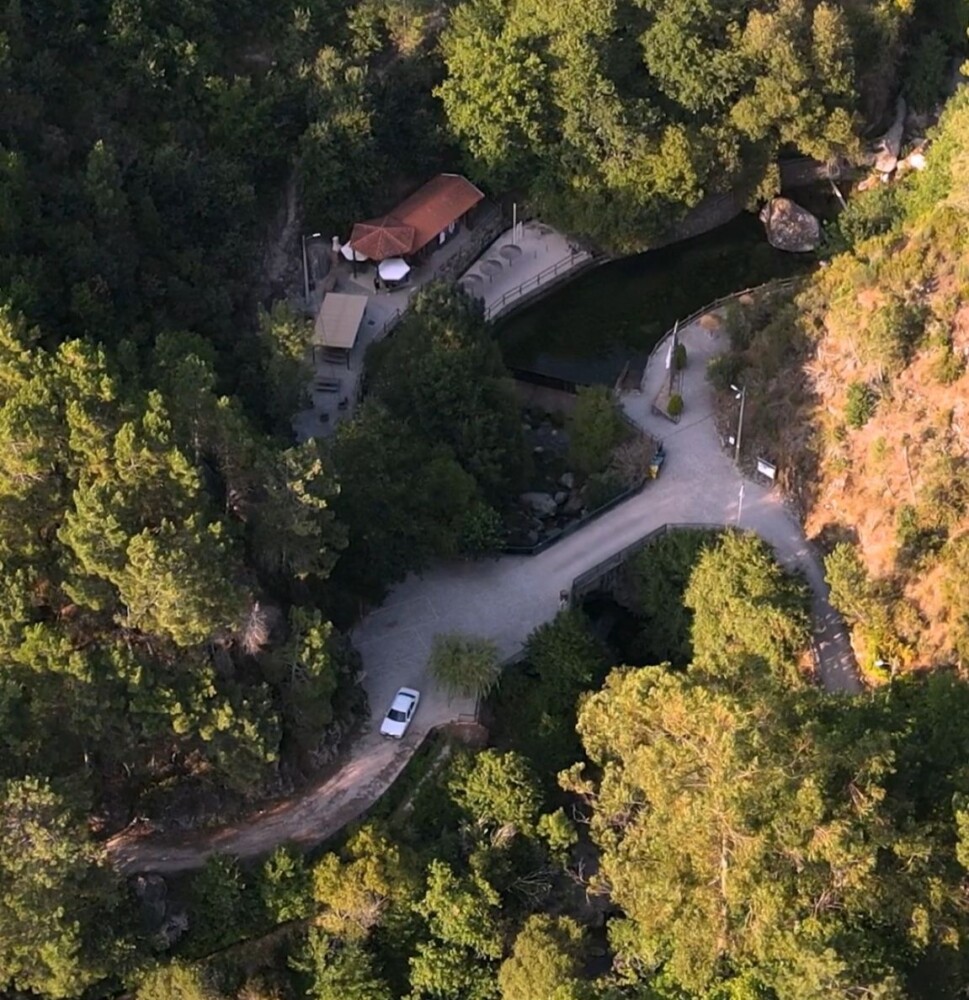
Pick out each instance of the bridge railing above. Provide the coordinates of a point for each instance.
(576, 259)
(587, 582)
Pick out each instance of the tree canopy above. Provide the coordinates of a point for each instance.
(615, 118)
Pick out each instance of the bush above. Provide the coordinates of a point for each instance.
(893, 333)
(464, 665)
(869, 214)
(675, 406)
(601, 488)
(738, 324)
(724, 370)
(679, 357)
(482, 530)
(860, 404)
(947, 365)
(926, 71)
(595, 429)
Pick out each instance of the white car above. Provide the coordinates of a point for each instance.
(401, 712)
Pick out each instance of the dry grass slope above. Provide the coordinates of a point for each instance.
(857, 384)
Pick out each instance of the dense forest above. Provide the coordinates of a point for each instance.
(178, 575)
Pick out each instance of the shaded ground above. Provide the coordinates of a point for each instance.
(505, 599)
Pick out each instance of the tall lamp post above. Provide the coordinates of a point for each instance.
(741, 394)
(306, 270)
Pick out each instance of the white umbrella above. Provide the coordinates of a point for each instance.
(352, 254)
(393, 269)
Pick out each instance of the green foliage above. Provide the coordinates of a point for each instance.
(286, 342)
(948, 366)
(654, 584)
(704, 884)
(175, 981)
(852, 592)
(464, 665)
(679, 357)
(559, 832)
(440, 971)
(306, 671)
(534, 706)
(866, 605)
(442, 375)
(595, 428)
(219, 910)
(462, 911)
(747, 611)
(601, 489)
(724, 370)
(496, 790)
(436, 448)
(869, 214)
(674, 406)
(404, 501)
(615, 120)
(545, 961)
(340, 971)
(285, 886)
(60, 906)
(860, 404)
(893, 333)
(357, 890)
(943, 172)
(928, 64)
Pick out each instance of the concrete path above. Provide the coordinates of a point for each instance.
(505, 599)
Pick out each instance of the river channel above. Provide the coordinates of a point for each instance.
(586, 331)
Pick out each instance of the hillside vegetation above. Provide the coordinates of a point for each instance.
(858, 385)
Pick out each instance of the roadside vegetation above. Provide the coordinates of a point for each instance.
(716, 829)
(856, 384)
(178, 577)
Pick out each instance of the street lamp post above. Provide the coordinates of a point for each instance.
(741, 394)
(306, 270)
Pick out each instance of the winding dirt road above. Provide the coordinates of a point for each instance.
(505, 599)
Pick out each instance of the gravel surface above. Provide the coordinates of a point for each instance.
(505, 599)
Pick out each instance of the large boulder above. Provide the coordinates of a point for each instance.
(790, 227)
(542, 503)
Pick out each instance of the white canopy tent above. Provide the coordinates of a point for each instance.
(393, 269)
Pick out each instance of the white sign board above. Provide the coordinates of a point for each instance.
(767, 469)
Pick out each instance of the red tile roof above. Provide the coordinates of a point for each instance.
(381, 238)
(433, 207)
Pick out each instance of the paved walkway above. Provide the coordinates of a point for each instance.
(505, 599)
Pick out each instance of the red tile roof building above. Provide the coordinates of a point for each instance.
(428, 212)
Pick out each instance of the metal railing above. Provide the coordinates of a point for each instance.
(576, 259)
(776, 283)
(587, 582)
(571, 529)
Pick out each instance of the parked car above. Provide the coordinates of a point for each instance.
(401, 712)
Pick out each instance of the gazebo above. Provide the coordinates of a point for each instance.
(381, 238)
